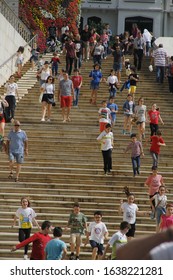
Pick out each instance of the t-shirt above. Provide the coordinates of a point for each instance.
(65, 87)
(162, 252)
(96, 75)
(154, 116)
(154, 144)
(112, 80)
(97, 231)
(77, 222)
(39, 242)
(135, 147)
(54, 249)
(140, 112)
(106, 140)
(25, 216)
(129, 212)
(154, 182)
(133, 82)
(166, 222)
(117, 240)
(55, 60)
(48, 88)
(76, 81)
(17, 140)
(70, 49)
(113, 107)
(11, 88)
(160, 200)
(104, 114)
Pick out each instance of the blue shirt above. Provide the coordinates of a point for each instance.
(112, 106)
(96, 75)
(17, 140)
(54, 249)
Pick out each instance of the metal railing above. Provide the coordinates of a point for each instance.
(8, 67)
(17, 24)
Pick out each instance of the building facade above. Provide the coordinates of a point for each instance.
(155, 15)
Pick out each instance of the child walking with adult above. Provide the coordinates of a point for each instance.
(167, 219)
(129, 109)
(96, 77)
(25, 216)
(77, 223)
(141, 114)
(136, 151)
(156, 142)
(77, 83)
(106, 140)
(154, 116)
(48, 90)
(129, 210)
(96, 233)
(160, 200)
(104, 115)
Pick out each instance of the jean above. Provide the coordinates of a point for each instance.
(78, 62)
(11, 108)
(69, 64)
(159, 211)
(107, 159)
(76, 94)
(160, 71)
(135, 164)
(155, 158)
(112, 92)
(138, 55)
(170, 82)
(55, 69)
(97, 59)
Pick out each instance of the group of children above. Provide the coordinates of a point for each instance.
(95, 232)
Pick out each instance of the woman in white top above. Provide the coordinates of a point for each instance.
(47, 89)
(141, 114)
(113, 83)
(11, 90)
(19, 60)
(45, 72)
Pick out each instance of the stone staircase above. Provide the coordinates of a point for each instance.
(65, 163)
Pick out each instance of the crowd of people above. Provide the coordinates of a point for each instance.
(78, 50)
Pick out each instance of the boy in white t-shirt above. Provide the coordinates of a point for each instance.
(104, 115)
(117, 240)
(96, 233)
(106, 140)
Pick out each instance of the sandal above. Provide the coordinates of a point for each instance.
(16, 179)
(10, 175)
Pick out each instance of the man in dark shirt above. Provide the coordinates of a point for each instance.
(52, 31)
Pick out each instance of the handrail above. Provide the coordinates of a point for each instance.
(18, 25)
(8, 67)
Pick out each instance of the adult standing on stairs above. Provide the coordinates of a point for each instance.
(16, 147)
(160, 58)
(11, 90)
(139, 50)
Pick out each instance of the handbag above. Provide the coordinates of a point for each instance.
(40, 97)
(153, 212)
(51, 101)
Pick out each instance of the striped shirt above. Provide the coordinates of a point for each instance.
(160, 57)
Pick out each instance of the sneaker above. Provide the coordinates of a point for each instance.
(42, 120)
(77, 258)
(64, 121)
(25, 257)
(48, 120)
(72, 257)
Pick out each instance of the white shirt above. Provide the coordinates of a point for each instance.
(140, 112)
(48, 88)
(25, 216)
(129, 212)
(112, 79)
(45, 74)
(105, 115)
(106, 140)
(162, 252)
(97, 231)
(11, 88)
(160, 200)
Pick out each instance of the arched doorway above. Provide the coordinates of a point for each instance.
(95, 22)
(142, 22)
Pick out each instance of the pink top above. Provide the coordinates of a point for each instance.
(154, 182)
(166, 222)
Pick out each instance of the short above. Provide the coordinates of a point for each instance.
(132, 89)
(131, 231)
(66, 101)
(102, 126)
(75, 238)
(138, 122)
(117, 66)
(94, 244)
(2, 119)
(19, 157)
(46, 96)
(94, 85)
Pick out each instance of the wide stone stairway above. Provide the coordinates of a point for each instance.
(65, 165)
